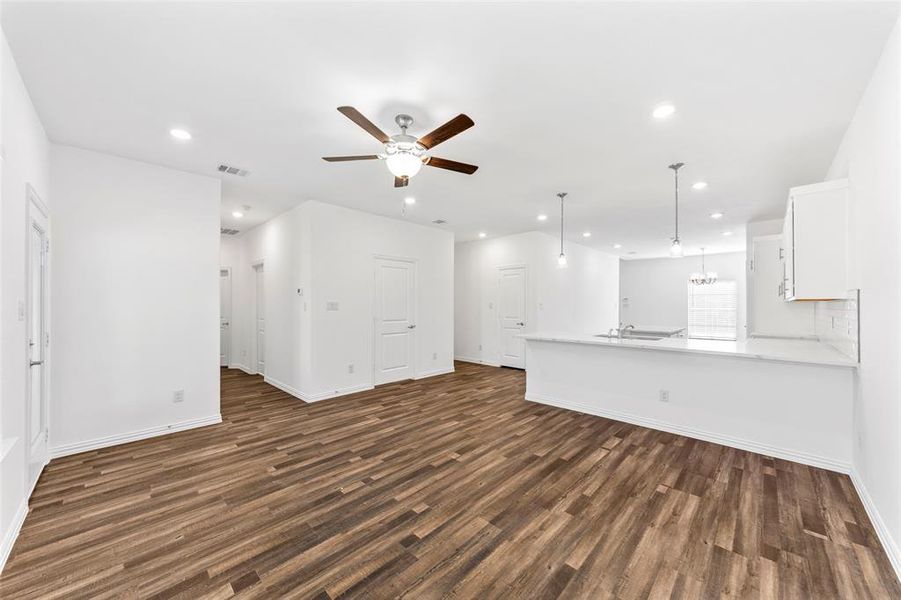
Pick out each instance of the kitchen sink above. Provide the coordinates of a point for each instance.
(629, 337)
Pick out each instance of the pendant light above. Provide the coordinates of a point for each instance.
(561, 260)
(676, 249)
(704, 277)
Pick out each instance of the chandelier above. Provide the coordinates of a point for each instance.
(705, 277)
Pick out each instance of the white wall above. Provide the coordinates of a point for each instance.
(869, 157)
(25, 163)
(657, 288)
(135, 294)
(328, 252)
(581, 298)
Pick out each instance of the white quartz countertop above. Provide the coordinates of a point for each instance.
(785, 350)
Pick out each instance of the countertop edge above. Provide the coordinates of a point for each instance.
(746, 355)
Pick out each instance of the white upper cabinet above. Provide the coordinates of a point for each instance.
(815, 242)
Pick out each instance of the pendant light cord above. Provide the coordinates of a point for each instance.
(561, 195)
(675, 167)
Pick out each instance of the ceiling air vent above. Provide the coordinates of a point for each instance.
(439, 221)
(227, 231)
(233, 170)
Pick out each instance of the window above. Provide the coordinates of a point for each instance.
(713, 311)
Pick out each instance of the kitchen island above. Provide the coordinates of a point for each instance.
(790, 399)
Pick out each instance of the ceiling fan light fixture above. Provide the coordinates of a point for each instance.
(403, 163)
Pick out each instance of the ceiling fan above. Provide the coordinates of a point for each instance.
(404, 154)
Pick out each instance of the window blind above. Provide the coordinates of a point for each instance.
(713, 311)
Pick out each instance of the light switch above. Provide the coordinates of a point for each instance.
(331, 306)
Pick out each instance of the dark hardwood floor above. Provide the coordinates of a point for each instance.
(452, 486)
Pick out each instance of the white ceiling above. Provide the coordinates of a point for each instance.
(560, 93)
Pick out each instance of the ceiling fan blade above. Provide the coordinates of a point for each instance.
(401, 181)
(344, 158)
(354, 115)
(451, 165)
(447, 131)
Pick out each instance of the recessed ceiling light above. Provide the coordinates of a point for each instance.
(542, 217)
(237, 214)
(586, 234)
(699, 185)
(727, 233)
(663, 111)
(482, 234)
(180, 134)
(617, 246)
(716, 215)
(410, 200)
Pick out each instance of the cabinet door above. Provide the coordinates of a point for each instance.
(768, 314)
(788, 252)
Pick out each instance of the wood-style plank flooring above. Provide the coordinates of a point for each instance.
(452, 487)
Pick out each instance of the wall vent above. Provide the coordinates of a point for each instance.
(439, 221)
(227, 231)
(233, 170)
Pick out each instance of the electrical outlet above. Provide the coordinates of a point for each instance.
(434, 356)
(178, 396)
(350, 368)
(664, 395)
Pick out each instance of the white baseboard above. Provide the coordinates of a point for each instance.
(132, 436)
(888, 542)
(699, 434)
(13, 532)
(241, 367)
(316, 396)
(477, 361)
(434, 372)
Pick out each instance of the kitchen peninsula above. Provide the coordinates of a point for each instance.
(790, 399)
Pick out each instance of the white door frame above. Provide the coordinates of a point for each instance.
(527, 313)
(414, 350)
(37, 215)
(228, 324)
(257, 266)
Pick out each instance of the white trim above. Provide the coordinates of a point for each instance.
(242, 368)
(133, 436)
(6, 446)
(434, 372)
(477, 361)
(882, 531)
(315, 397)
(13, 532)
(699, 434)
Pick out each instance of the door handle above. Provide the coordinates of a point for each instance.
(521, 324)
(411, 326)
(34, 363)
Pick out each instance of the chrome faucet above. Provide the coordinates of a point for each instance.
(622, 329)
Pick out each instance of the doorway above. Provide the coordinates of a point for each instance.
(260, 318)
(395, 320)
(38, 339)
(511, 311)
(225, 313)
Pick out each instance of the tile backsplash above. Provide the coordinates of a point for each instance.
(836, 323)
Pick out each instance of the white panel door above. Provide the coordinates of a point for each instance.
(511, 310)
(37, 345)
(260, 319)
(395, 320)
(225, 312)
